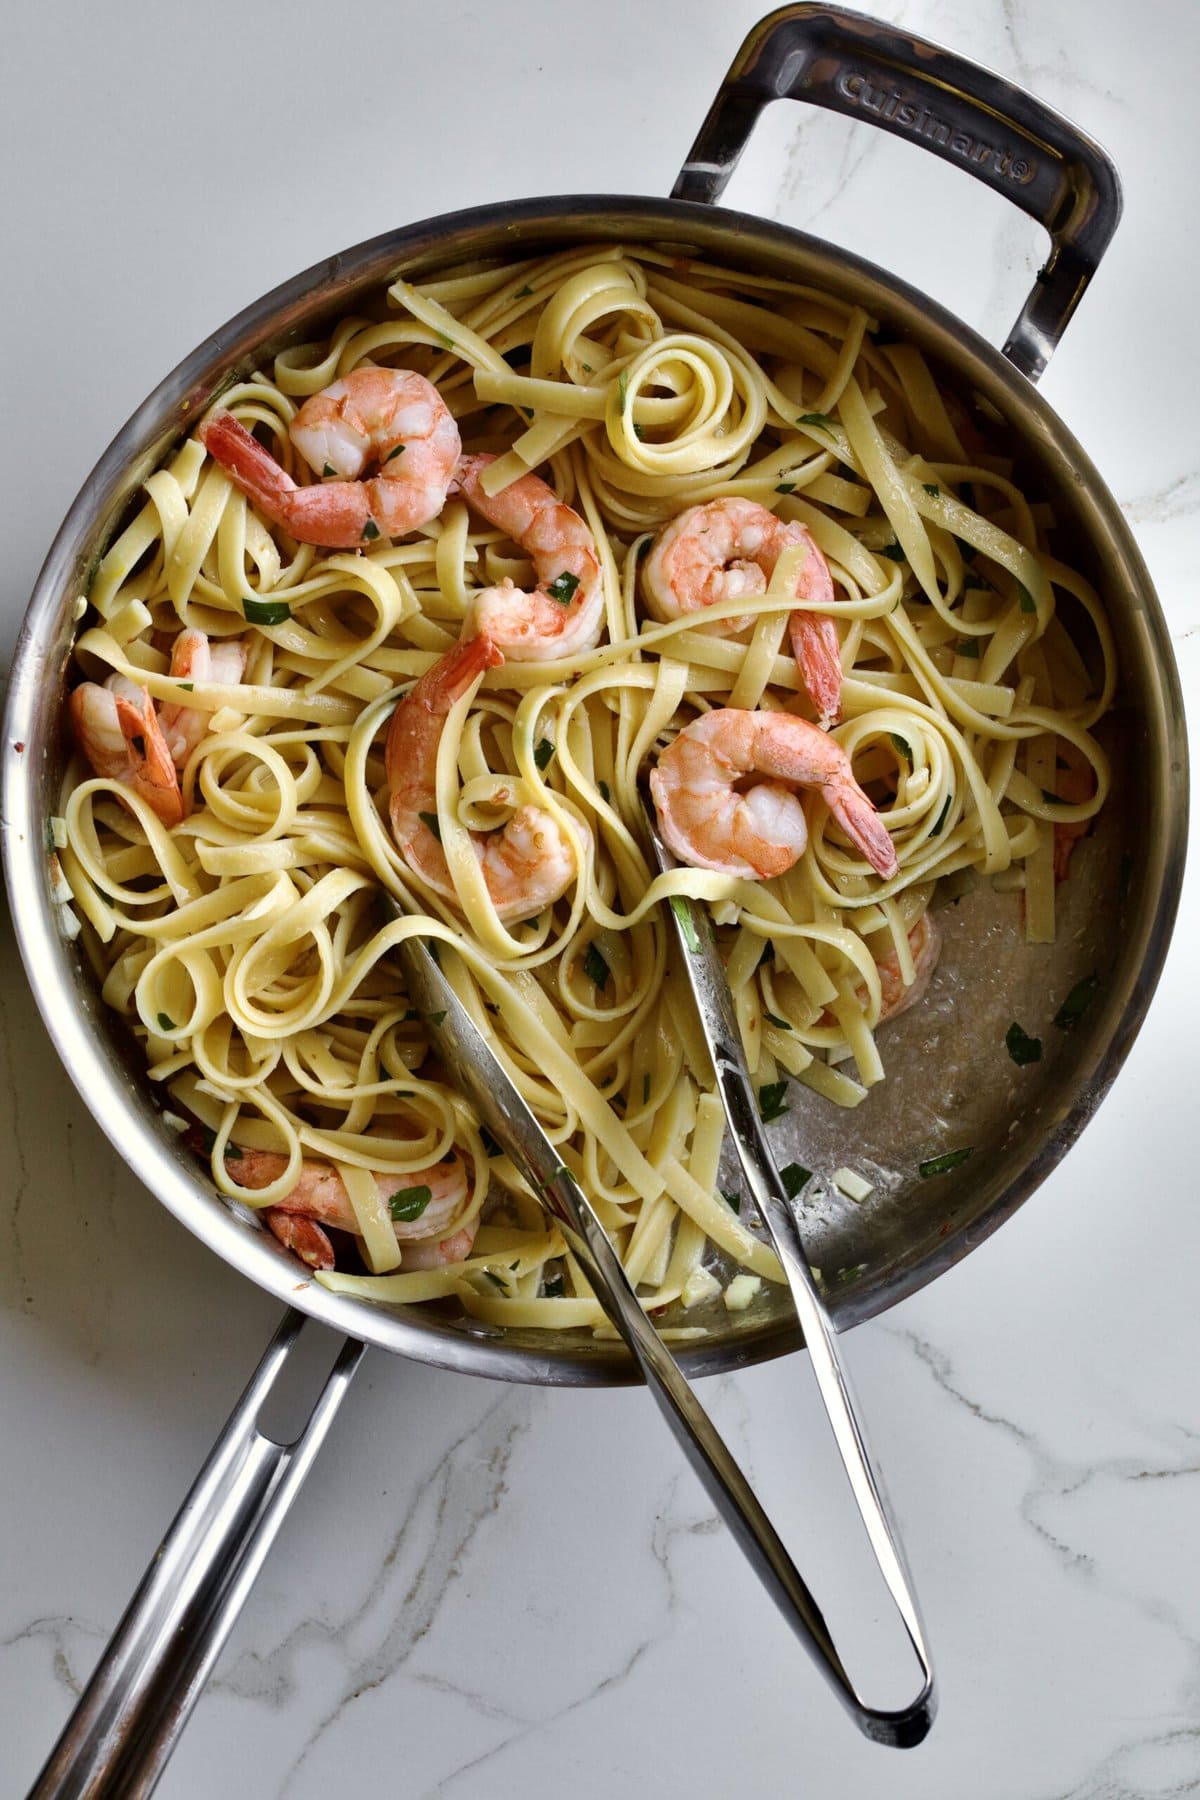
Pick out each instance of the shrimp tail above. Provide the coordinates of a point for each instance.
(863, 826)
(818, 652)
(304, 1236)
(153, 774)
(249, 465)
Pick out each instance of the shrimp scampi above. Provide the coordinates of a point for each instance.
(392, 418)
(712, 820)
(729, 548)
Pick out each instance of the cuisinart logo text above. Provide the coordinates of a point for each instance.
(891, 104)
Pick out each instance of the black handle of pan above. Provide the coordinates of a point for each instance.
(958, 110)
(117, 1741)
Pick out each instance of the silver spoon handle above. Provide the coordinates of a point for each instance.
(141, 1694)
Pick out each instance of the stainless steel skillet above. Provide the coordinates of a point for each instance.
(911, 1229)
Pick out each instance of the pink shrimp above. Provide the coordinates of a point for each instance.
(391, 417)
(125, 739)
(122, 740)
(565, 612)
(712, 821)
(925, 943)
(319, 1198)
(195, 658)
(1074, 782)
(527, 864)
(729, 548)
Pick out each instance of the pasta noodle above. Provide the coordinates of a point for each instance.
(246, 945)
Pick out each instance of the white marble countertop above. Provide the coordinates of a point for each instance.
(497, 1591)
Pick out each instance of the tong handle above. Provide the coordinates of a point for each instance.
(484, 1081)
(729, 1489)
(697, 946)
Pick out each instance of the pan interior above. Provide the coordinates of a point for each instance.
(951, 1083)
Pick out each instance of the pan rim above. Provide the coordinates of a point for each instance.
(121, 1111)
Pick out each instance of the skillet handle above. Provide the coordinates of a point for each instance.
(140, 1697)
(945, 104)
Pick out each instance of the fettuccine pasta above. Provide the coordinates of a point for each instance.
(244, 941)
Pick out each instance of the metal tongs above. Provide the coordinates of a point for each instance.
(484, 1082)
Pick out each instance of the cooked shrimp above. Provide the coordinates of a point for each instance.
(925, 943)
(194, 658)
(119, 733)
(564, 613)
(730, 547)
(712, 822)
(319, 1198)
(125, 739)
(1075, 782)
(393, 418)
(527, 864)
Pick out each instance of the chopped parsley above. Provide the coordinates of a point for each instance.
(1021, 1047)
(1052, 799)
(941, 818)
(766, 955)
(436, 1018)
(605, 794)
(165, 1024)
(893, 552)
(412, 1013)
(430, 821)
(562, 588)
(265, 612)
(786, 487)
(1077, 1002)
(968, 552)
(1028, 603)
(901, 746)
(774, 1019)
(793, 1178)
(328, 469)
(819, 421)
(941, 1165)
(932, 489)
(523, 293)
(969, 647)
(208, 1138)
(409, 1203)
(187, 686)
(447, 343)
(732, 1199)
(687, 925)
(497, 1281)
(543, 753)
(595, 967)
(396, 450)
(370, 531)
(771, 1103)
